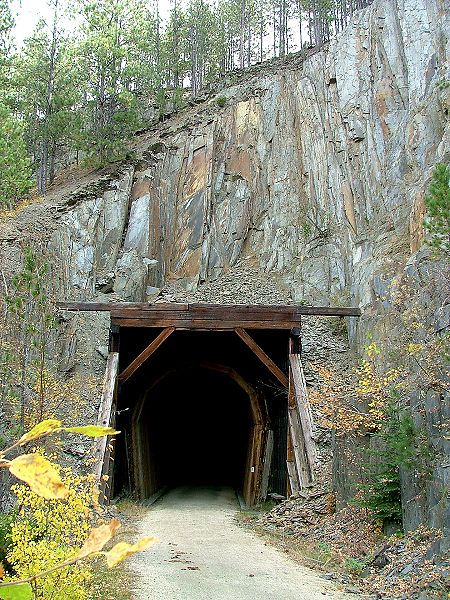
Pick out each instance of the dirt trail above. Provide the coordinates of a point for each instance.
(203, 554)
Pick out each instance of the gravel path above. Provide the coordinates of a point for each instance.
(203, 554)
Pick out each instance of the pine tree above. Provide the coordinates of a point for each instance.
(15, 180)
(437, 201)
(47, 84)
(6, 27)
(110, 109)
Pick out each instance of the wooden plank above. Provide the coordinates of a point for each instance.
(294, 485)
(300, 457)
(202, 325)
(108, 306)
(303, 407)
(259, 352)
(145, 354)
(211, 309)
(213, 315)
(268, 452)
(105, 412)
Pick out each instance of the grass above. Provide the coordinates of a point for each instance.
(116, 583)
(316, 556)
(110, 584)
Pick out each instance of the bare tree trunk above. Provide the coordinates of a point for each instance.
(158, 36)
(261, 33)
(51, 166)
(274, 31)
(43, 166)
(176, 49)
(299, 8)
(242, 35)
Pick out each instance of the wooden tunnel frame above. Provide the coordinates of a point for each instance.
(240, 319)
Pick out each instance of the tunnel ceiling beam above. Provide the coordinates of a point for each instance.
(262, 356)
(145, 354)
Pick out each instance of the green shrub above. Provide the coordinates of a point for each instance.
(437, 202)
(399, 446)
(221, 101)
(6, 521)
(354, 566)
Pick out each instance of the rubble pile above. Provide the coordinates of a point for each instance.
(409, 567)
(398, 567)
(302, 511)
(348, 532)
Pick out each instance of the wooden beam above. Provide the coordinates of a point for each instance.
(145, 354)
(106, 414)
(259, 352)
(293, 483)
(214, 311)
(297, 454)
(201, 325)
(303, 408)
(268, 452)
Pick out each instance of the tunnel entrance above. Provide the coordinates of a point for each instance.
(198, 413)
(205, 393)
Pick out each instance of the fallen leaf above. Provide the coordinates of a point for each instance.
(40, 474)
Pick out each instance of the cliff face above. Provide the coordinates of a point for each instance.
(317, 170)
(314, 171)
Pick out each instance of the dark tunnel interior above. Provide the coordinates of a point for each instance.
(198, 426)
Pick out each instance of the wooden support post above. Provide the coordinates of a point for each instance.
(294, 485)
(268, 452)
(259, 352)
(297, 437)
(145, 354)
(106, 417)
(302, 451)
(295, 344)
(114, 338)
(303, 408)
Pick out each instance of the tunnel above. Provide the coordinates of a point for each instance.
(202, 412)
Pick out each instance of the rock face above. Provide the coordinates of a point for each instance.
(313, 171)
(316, 171)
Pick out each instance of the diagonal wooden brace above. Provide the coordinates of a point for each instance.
(266, 360)
(145, 354)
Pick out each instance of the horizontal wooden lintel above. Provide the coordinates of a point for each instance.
(208, 316)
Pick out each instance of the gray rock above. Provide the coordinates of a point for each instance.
(103, 351)
(152, 292)
(352, 589)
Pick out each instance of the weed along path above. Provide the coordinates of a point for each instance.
(203, 554)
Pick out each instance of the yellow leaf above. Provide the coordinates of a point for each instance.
(122, 550)
(92, 430)
(98, 538)
(2, 570)
(40, 474)
(41, 429)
